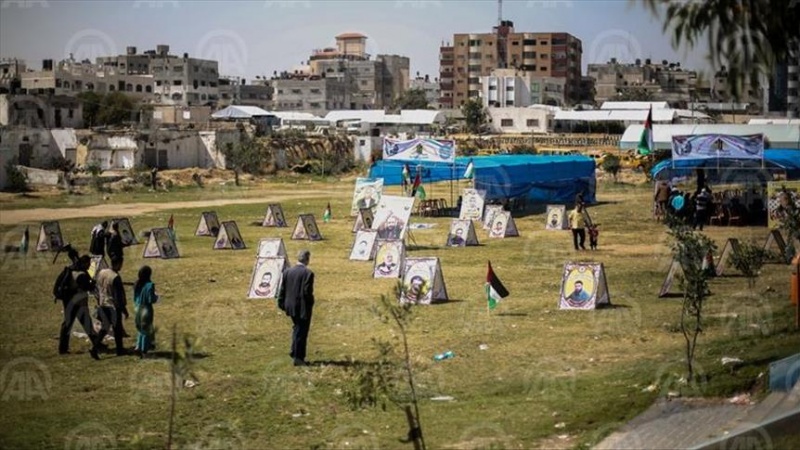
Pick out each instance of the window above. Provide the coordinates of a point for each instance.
(474, 42)
(195, 84)
(543, 69)
(158, 82)
(297, 91)
(177, 69)
(363, 82)
(474, 68)
(148, 89)
(505, 123)
(543, 43)
(529, 55)
(532, 123)
(315, 91)
(202, 82)
(129, 87)
(510, 88)
(514, 42)
(280, 91)
(110, 88)
(473, 80)
(492, 87)
(529, 42)
(70, 113)
(544, 56)
(138, 88)
(314, 105)
(509, 102)
(177, 82)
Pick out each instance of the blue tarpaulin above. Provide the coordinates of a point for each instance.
(774, 159)
(542, 179)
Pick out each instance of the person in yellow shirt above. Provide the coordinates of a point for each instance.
(578, 219)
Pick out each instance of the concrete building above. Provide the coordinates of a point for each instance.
(183, 80)
(782, 93)
(429, 87)
(40, 111)
(11, 70)
(663, 82)
(472, 56)
(235, 91)
(315, 95)
(519, 120)
(515, 88)
(180, 115)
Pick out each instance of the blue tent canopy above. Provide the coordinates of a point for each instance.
(542, 179)
(774, 160)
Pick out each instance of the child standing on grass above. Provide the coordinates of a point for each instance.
(144, 295)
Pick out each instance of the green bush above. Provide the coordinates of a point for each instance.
(94, 169)
(749, 260)
(17, 180)
(612, 165)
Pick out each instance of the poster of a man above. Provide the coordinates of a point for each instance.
(388, 260)
(311, 227)
(266, 278)
(457, 239)
(583, 286)
(363, 246)
(388, 266)
(416, 290)
(265, 287)
(579, 295)
(280, 221)
(367, 199)
(366, 194)
(499, 226)
(392, 228)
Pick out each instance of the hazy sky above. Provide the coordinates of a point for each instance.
(251, 38)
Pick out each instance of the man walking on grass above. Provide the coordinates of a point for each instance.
(296, 298)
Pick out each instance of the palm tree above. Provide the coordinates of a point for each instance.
(747, 36)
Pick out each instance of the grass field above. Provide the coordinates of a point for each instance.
(548, 377)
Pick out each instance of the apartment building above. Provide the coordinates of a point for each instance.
(10, 72)
(505, 88)
(472, 56)
(236, 91)
(429, 87)
(316, 95)
(663, 82)
(782, 93)
(183, 80)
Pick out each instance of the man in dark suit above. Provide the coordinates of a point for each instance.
(296, 298)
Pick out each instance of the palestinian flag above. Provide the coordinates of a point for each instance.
(418, 189)
(646, 141)
(326, 216)
(23, 244)
(406, 177)
(495, 291)
(470, 172)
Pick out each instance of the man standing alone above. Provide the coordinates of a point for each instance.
(578, 219)
(112, 304)
(296, 298)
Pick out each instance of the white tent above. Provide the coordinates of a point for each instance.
(779, 136)
(240, 112)
(634, 105)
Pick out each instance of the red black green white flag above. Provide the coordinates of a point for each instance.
(495, 291)
(646, 140)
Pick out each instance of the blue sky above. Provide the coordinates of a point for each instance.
(257, 37)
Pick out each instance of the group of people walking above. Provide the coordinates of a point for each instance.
(76, 286)
(673, 204)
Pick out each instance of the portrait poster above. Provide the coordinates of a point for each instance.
(125, 231)
(306, 229)
(392, 216)
(777, 246)
(50, 238)
(556, 218)
(779, 196)
(423, 282)
(731, 246)
(389, 257)
(272, 248)
(462, 233)
(364, 219)
(675, 269)
(274, 216)
(208, 225)
(364, 246)
(472, 201)
(708, 146)
(488, 215)
(229, 237)
(420, 149)
(583, 286)
(367, 194)
(503, 226)
(266, 279)
(97, 264)
(160, 244)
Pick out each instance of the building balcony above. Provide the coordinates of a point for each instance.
(446, 86)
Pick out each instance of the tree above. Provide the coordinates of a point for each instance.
(749, 260)
(92, 103)
(474, 114)
(243, 157)
(748, 37)
(117, 109)
(690, 250)
(412, 99)
(612, 164)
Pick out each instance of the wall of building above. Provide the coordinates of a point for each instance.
(518, 120)
(32, 147)
(180, 115)
(40, 111)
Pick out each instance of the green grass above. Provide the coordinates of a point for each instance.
(543, 367)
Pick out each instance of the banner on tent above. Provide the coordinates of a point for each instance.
(584, 286)
(389, 258)
(367, 194)
(707, 146)
(272, 248)
(391, 219)
(780, 194)
(488, 215)
(731, 246)
(503, 226)
(160, 244)
(306, 229)
(420, 149)
(97, 264)
(423, 282)
(125, 231)
(274, 216)
(266, 279)
(208, 225)
(462, 233)
(364, 245)
(50, 238)
(229, 237)
(556, 218)
(364, 219)
(472, 201)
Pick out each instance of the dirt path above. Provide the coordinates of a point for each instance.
(14, 217)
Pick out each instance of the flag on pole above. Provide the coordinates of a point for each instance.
(470, 172)
(326, 216)
(495, 291)
(418, 189)
(171, 223)
(23, 244)
(406, 177)
(646, 141)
